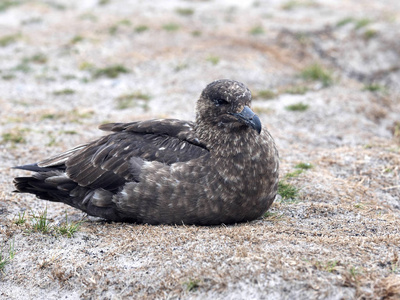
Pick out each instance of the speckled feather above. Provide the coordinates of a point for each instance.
(219, 169)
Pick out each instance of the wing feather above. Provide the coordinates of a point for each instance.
(116, 158)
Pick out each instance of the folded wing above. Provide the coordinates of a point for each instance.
(117, 158)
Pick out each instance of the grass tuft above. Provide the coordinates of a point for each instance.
(296, 90)
(6, 258)
(21, 219)
(103, 2)
(265, 94)
(49, 116)
(16, 136)
(297, 107)
(344, 21)
(362, 23)
(76, 39)
(273, 216)
(257, 30)
(38, 58)
(287, 190)
(141, 28)
(370, 33)
(6, 4)
(196, 33)
(8, 40)
(64, 92)
(192, 284)
(8, 76)
(184, 11)
(129, 100)
(317, 73)
(294, 4)
(293, 174)
(171, 27)
(110, 72)
(328, 266)
(41, 222)
(214, 60)
(374, 87)
(69, 229)
(304, 166)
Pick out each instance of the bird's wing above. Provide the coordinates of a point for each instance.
(116, 158)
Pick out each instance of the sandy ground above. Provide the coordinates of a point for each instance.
(337, 239)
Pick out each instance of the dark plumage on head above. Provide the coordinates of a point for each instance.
(226, 104)
(220, 169)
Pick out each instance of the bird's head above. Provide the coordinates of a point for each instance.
(226, 103)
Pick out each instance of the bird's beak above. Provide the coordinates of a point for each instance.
(248, 117)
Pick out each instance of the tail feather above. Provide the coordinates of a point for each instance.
(39, 186)
(35, 168)
(55, 186)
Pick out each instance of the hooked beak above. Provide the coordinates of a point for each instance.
(248, 117)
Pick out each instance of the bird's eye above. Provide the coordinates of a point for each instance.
(220, 101)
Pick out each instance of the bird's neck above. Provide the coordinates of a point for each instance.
(225, 141)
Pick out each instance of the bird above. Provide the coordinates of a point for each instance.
(223, 168)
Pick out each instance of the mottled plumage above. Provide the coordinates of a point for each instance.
(220, 169)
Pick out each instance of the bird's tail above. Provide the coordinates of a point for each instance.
(51, 185)
(54, 185)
